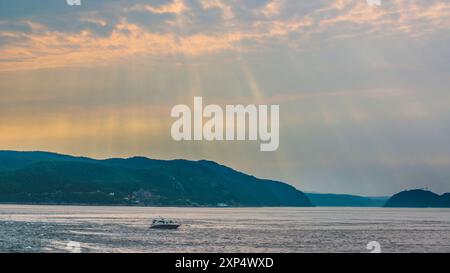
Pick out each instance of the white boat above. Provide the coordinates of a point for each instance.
(162, 223)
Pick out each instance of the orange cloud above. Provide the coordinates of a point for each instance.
(227, 12)
(176, 7)
(399, 16)
(273, 8)
(47, 48)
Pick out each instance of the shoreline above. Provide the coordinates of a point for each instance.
(212, 207)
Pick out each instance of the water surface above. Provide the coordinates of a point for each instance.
(126, 229)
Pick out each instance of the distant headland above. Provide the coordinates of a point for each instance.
(419, 198)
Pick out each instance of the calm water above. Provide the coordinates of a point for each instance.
(125, 229)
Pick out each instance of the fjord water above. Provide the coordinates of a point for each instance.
(126, 229)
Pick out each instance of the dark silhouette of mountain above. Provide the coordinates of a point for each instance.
(345, 200)
(419, 199)
(11, 160)
(445, 199)
(42, 177)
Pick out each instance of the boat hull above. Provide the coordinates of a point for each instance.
(165, 226)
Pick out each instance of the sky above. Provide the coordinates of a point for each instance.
(363, 89)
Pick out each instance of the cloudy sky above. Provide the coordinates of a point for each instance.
(363, 90)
